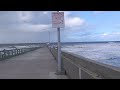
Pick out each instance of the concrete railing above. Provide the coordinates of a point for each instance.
(10, 53)
(78, 67)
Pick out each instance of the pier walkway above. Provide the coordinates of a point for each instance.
(38, 64)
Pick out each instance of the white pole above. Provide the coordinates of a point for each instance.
(49, 37)
(60, 66)
(59, 52)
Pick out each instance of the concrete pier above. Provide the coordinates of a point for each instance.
(38, 64)
(79, 67)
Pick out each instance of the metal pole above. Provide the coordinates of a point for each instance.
(49, 37)
(60, 66)
(59, 52)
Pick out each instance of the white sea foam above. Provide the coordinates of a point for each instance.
(108, 53)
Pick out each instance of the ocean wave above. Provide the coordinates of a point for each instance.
(108, 53)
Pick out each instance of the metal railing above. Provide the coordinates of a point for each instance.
(14, 52)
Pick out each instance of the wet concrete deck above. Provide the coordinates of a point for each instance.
(38, 64)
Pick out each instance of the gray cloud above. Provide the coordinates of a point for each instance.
(33, 26)
(41, 18)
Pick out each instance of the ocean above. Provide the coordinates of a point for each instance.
(103, 52)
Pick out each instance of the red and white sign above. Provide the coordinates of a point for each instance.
(58, 19)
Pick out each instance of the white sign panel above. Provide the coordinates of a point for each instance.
(58, 20)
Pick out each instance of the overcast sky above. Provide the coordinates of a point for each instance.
(80, 26)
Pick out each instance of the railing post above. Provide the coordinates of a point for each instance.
(14, 51)
(11, 52)
(0, 55)
(17, 51)
(20, 51)
(4, 53)
(23, 50)
(8, 53)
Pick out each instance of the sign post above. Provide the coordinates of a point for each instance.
(58, 22)
(49, 37)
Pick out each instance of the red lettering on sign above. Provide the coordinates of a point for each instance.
(58, 19)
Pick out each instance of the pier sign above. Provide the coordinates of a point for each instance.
(58, 20)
